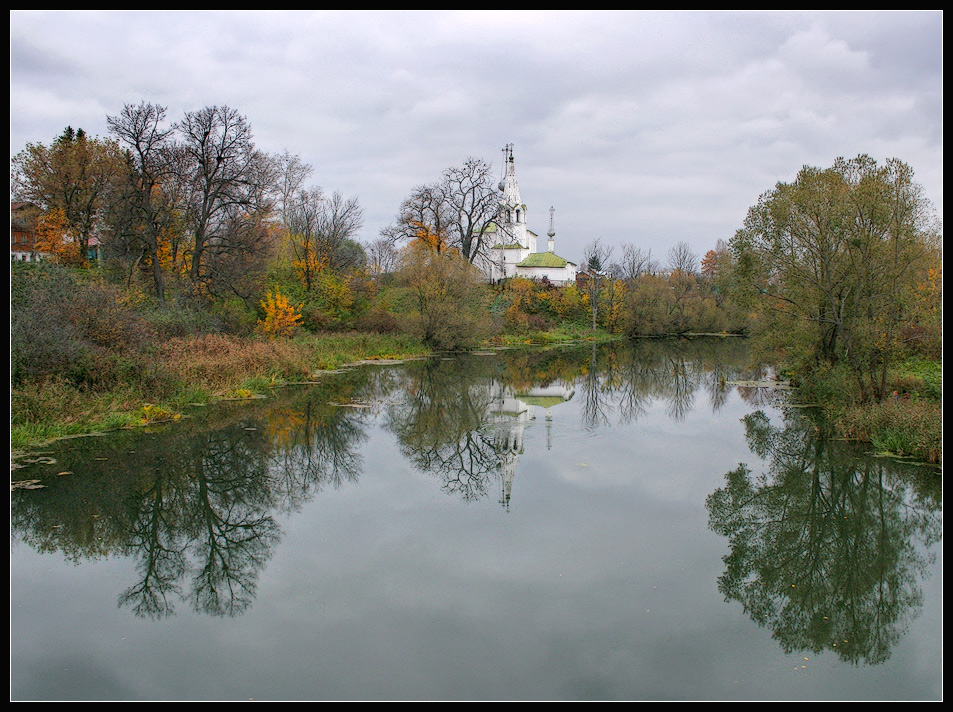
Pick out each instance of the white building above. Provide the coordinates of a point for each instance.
(514, 244)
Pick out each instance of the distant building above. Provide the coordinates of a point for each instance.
(23, 216)
(23, 232)
(513, 252)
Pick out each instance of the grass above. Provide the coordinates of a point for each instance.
(907, 428)
(194, 370)
(909, 422)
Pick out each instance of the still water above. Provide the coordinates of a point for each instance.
(645, 522)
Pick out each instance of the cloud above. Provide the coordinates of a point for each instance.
(641, 127)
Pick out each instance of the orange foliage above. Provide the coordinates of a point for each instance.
(53, 237)
(436, 240)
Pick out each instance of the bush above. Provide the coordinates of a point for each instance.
(61, 325)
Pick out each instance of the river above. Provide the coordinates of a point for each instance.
(653, 521)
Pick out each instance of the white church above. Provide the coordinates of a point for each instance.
(514, 251)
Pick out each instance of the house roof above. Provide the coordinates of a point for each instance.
(544, 259)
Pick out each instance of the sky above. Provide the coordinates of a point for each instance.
(641, 128)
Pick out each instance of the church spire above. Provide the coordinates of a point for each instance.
(509, 186)
(552, 231)
(512, 211)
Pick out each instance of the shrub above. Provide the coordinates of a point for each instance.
(281, 318)
(61, 325)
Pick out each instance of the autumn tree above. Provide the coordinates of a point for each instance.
(73, 175)
(462, 206)
(445, 289)
(54, 238)
(281, 317)
(302, 220)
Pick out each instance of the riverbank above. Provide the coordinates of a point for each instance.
(206, 368)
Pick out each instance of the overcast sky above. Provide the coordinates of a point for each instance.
(639, 127)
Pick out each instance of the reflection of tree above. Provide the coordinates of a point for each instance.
(596, 386)
(195, 502)
(825, 547)
(673, 370)
(316, 443)
(233, 534)
(442, 424)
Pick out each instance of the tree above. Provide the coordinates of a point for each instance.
(73, 175)
(828, 260)
(473, 204)
(595, 256)
(682, 259)
(445, 291)
(149, 200)
(383, 257)
(301, 221)
(224, 173)
(54, 238)
(634, 263)
(462, 207)
(291, 173)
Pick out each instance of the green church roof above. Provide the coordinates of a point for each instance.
(544, 259)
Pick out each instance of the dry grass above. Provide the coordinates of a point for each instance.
(218, 363)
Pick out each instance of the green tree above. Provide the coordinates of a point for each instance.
(826, 261)
(447, 295)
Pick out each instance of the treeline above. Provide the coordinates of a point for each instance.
(183, 229)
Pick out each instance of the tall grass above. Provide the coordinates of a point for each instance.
(906, 427)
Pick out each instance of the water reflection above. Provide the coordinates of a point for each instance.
(195, 505)
(826, 544)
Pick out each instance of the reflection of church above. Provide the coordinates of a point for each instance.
(510, 413)
(513, 252)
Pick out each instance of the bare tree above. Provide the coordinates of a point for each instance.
(596, 258)
(460, 209)
(340, 221)
(635, 262)
(291, 173)
(152, 198)
(682, 259)
(473, 203)
(225, 172)
(383, 257)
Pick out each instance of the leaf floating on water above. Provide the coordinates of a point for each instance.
(26, 484)
(40, 460)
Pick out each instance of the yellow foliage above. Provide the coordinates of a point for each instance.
(154, 414)
(281, 318)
